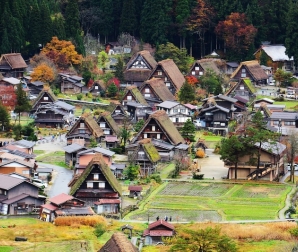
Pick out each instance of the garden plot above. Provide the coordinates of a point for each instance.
(201, 201)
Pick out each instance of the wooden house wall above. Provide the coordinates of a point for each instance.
(24, 206)
(106, 129)
(148, 92)
(197, 71)
(159, 73)
(24, 170)
(70, 88)
(45, 99)
(125, 100)
(23, 188)
(150, 132)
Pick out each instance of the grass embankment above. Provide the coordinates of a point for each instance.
(203, 201)
(55, 158)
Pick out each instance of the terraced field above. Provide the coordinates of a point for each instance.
(201, 201)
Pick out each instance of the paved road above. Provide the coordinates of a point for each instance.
(61, 178)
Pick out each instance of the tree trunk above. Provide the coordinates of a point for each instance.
(19, 117)
(180, 38)
(236, 170)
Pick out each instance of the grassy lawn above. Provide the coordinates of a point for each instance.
(201, 201)
(55, 158)
(289, 104)
(166, 171)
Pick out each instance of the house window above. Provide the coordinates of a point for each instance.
(243, 70)
(95, 87)
(101, 185)
(159, 73)
(147, 95)
(147, 90)
(89, 184)
(107, 131)
(25, 172)
(117, 111)
(200, 73)
(168, 84)
(153, 127)
(166, 79)
(197, 68)
(82, 131)
(158, 136)
(243, 75)
(275, 122)
(129, 97)
(241, 87)
(175, 110)
(182, 110)
(102, 125)
(289, 123)
(95, 176)
(177, 120)
(46, 98)
(193, 73)
(82, 125)
(222, 124)
(145, 135)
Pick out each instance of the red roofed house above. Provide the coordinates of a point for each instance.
(134, 191)
(63, 205)
(156, 230)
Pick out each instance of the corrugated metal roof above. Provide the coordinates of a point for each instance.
(64, 105)
(11, 80)
(73, 148)
(168, 104)
(99, 150)
(284, 115)
(7, 182)
(276, 52)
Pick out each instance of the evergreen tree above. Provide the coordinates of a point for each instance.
(186, 93)
(22, 104)
(58, 27)
(188, 131)
(119, 69)
(107, 21)
(128, 20)
(182, 14)
(4, 118)
(46, 23)
(5, 44)
(112, 90)
(34, 26)
(155, 21)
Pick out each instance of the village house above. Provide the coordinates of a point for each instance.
(137, 111)
(8, 88)
(158, 230)
(155, 92)
(243, 88)
(63, 205)
(200, 67)
(35, 87)
(71, 84)
(168, 71)
(18, 196)
(271, 163)
(8, 154)
(135, 191)
(118, 170)
(98, 88)
(276, 57)
(118, 113)
(46, 96)
(146, 156)
(22, 167)
(98, 187)
(283, 122)
(252, 70)
(139, 68)
(159, 126)
(12, 65)
(21, 145)
(216, 113)
(178, 113)
(71, 152)
(84, 157)
(133, 95)
(231, 67)
(270, 107)
(118, 243)
(83, 130)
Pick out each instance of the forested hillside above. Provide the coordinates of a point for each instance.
(233, 27)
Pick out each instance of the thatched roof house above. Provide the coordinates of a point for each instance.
(133, 94)
(44, 97)
(106, 117)
(118, 243)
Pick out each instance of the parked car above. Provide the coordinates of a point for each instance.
(295, 167)
(290, 96)
(39, 183)
(197, 123)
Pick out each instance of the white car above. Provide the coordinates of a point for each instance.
(295, 167)
(292, 96)
(39, 183)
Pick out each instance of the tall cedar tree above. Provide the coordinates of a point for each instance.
(292, 32)
(128, 20)
(22, 104)
(34, 27)
(58, 27)
(46, 23)
(188, 131)
(186, 93)
(119, 68)
(155, 21)
(4, 118)
(182, 14)
(107, 21)
(231, 149)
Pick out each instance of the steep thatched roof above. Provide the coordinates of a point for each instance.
(135, 92)
(99, 83)
(46, 90)
(150, 150)
(173, 72)
(118, 243)
(254, 68)
(90, 122)
(246, 82)
(109, 120)
(148, 58)
(207, 64)
(14, 60)
(106, 171)
(166, 125)
(160, 89)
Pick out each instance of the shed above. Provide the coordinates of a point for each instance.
(135, 191)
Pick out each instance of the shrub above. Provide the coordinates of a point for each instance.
(79, 96)
(99, 229)
(156, 177)
(80, 220)
(197, 176)
(200, 153)
(294, 232)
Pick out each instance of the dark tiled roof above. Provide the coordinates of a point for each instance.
(17, 198)
(73, 148)
(24, 143)
(64, 105)
(284, 115)
(98, 150)
(7, 182)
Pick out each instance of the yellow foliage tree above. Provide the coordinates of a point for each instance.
(43, 73)
(62, 52)
(200, 153)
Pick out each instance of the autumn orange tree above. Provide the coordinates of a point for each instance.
(236, 32)
(43, 73)
(62, 53)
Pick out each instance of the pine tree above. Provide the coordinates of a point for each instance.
(34, 35)
(119, 69)
(22, 104)
(107, 21)
(182, 14)
(186, 93)
(188, 131)
(128, 20)
(46, 23)
(155, 21)
(58, 27)
(5, 44)
(4, 118)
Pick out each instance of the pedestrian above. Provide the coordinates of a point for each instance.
(170, 218)
(166, 218)
(157, 218)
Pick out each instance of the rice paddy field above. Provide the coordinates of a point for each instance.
(203, 201)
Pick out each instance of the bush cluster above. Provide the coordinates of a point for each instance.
(80, 220)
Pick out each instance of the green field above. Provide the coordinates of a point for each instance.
(201, 201)
(55, 158)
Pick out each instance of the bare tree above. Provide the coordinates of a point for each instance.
(292, 148)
